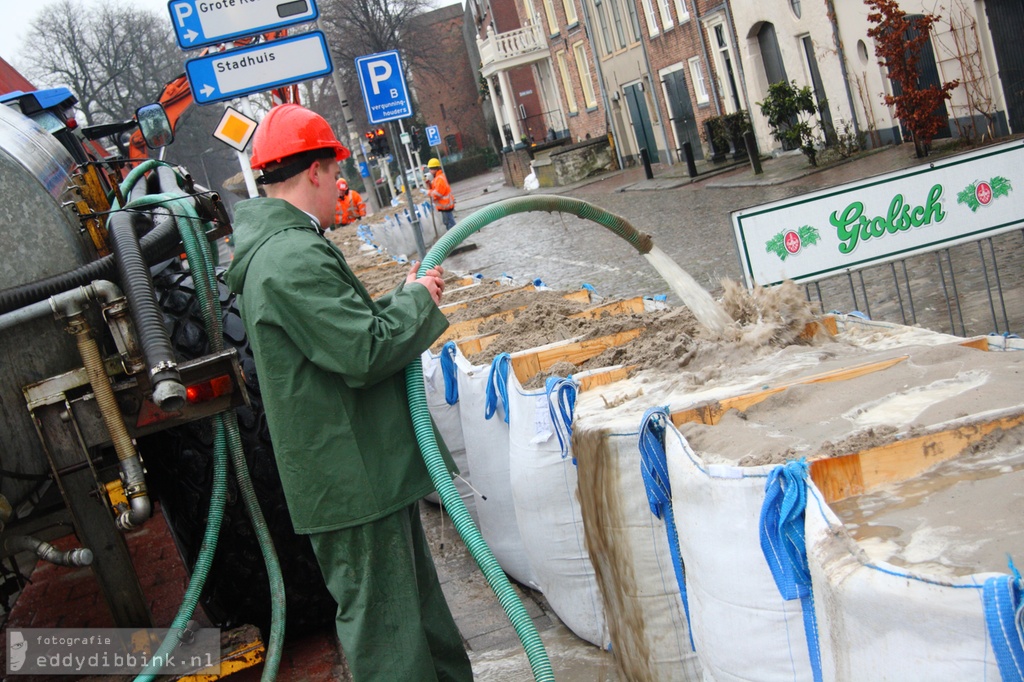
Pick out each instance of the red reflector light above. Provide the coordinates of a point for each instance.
(208, 390)
(71, 124)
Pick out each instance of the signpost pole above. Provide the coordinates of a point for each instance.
(354, 143)
(417, 232)
(408, 149)
(243, 160)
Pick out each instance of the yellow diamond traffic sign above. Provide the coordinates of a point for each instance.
(235, 129)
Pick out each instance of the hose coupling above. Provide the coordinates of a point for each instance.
(80, 556)
(168, 391)
(140, 507)
(136, 489)
(163, 366)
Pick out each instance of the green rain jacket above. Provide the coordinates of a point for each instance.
(329, 361)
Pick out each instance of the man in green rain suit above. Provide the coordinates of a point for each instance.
(330, 362)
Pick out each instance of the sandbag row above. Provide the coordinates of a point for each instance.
(523, 477)
(688, 565)
(774, 584)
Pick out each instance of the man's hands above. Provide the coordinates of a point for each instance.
(433, 280)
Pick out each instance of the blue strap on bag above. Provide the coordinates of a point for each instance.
(450, 373)
(1004, 617)
(654, 470)
(785, 547)
(561, 407)
(497, 385)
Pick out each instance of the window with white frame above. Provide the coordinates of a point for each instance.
(681, 11)
(583, 67)
(570, 12)
(666, 13)
(528, 11)
(634, 20)
(563, 69)
(602, 21)
(549, 12)
(725, 65)
(652, 24)
(617, 16)
(700, 86)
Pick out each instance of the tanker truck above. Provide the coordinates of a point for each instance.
(115, 367)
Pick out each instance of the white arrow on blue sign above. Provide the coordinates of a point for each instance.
(207, 22)
(227, 75)
(383, 84)
(433, 136)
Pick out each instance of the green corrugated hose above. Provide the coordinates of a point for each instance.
(226, 437)
(450, 497)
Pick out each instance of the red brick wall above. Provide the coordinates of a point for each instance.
(677, 45)
(587, 122)
(516, 166)
(449, 97)
(504, 16)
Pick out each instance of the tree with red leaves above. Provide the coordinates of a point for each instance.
(898, 45)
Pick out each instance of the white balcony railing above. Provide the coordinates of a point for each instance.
(510, 45)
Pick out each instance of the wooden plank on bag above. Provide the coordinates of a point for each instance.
(980, 343)
(604, 378)
(711, 412)
(840, 477)
(528, 363)
(626, 307)
(450, 307)
(476, 344)
(825, 325)
(374, 268)
(468, 328)
(582, 296)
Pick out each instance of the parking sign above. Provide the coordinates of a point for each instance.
(198, 23)
(383, 84)
(433, 136)
(220, 76)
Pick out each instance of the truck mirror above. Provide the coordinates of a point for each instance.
(155, 126)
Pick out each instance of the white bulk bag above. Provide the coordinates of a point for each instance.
(880, 621)
(742, 627)
(548, 511)
(440, 384)
(486, 442)
(629, 548)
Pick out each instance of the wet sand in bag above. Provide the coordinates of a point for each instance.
(959, 518)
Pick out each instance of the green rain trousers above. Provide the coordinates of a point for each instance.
(393, 621)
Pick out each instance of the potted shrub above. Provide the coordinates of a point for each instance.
(717, 136)
(783, 107)
(736, 124)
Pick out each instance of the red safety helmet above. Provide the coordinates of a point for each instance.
(342, 186)
(290, 129)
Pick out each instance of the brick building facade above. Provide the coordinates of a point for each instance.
(448, 95)
(573, 60)
(678, 53)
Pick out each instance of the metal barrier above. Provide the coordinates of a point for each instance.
(966, 290)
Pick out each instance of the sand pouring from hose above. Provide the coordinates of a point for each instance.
(702, 307)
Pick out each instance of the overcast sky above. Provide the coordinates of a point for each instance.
(18, 15)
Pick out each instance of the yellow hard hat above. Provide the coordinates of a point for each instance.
(434, 163)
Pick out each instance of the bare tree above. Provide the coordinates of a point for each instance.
(114, 57)
(360, 27)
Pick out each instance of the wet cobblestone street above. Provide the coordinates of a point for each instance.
(690, 221)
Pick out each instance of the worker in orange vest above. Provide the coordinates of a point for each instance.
(350, 207)
(441, 193)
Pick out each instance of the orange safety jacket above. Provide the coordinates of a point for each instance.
(441, 193)
(349, 208)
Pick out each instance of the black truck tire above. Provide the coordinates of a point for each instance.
(179, 465)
